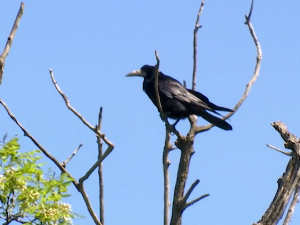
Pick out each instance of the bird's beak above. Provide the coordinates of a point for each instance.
(136, 73)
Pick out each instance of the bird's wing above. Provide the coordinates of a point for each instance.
(173, 89)
(203, 98)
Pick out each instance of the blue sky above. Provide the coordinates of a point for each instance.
(91, 45)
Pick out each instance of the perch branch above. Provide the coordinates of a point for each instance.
(252, 80)
(156, 72)
(185, 144)
(162, 115)
(10, 40)
(187, 150)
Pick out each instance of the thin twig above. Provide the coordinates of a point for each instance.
(10, 40)
(293, 204)
(195, 200)
(188, 193)
(156, 72)
(46, 153)
(279, 150)
(197, 26)
(193, 119)
(100, 169)
(64, 164)
(79, 186)
(77, 113)
(91, 170)
(252, 80)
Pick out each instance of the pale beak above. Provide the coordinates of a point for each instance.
(136, 73)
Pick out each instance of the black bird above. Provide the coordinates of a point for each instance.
(177, 101)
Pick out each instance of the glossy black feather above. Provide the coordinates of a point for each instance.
(178, 102)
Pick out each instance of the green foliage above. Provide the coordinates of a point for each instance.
(25, 195)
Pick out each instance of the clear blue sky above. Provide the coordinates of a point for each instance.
(91, 45)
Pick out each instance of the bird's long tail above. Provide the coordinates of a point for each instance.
(215, 120)
(203, 98)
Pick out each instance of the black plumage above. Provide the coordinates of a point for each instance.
(177, 101)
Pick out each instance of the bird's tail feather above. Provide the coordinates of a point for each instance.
(203, 98)
(215, 120)
(220, 108)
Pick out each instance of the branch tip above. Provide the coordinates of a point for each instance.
(279, 150)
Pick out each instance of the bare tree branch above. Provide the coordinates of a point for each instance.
(77, 113)
(64, 164)
(187, 195)
(167, 147)
(156, 72)
(10, 40)
(185, 144)
(79, 186)
(166, 164)
(283, 152)
(98, 133)
(187, 150)
(88, 204)
(91, 170)
(195, 200)
(197, 26)
(252, 80)
(292, 205)
(162, 115)
(46, 153)
(100, 169)
(288, 183)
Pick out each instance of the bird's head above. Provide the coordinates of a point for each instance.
(146, 71)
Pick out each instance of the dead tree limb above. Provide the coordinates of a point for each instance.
(197, 26)
(79, 186)
(185, 144)
(100, 168)
(288, 183)
(200, 129)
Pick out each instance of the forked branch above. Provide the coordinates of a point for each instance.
(287, 184)
(79, 186)
(252, 80)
